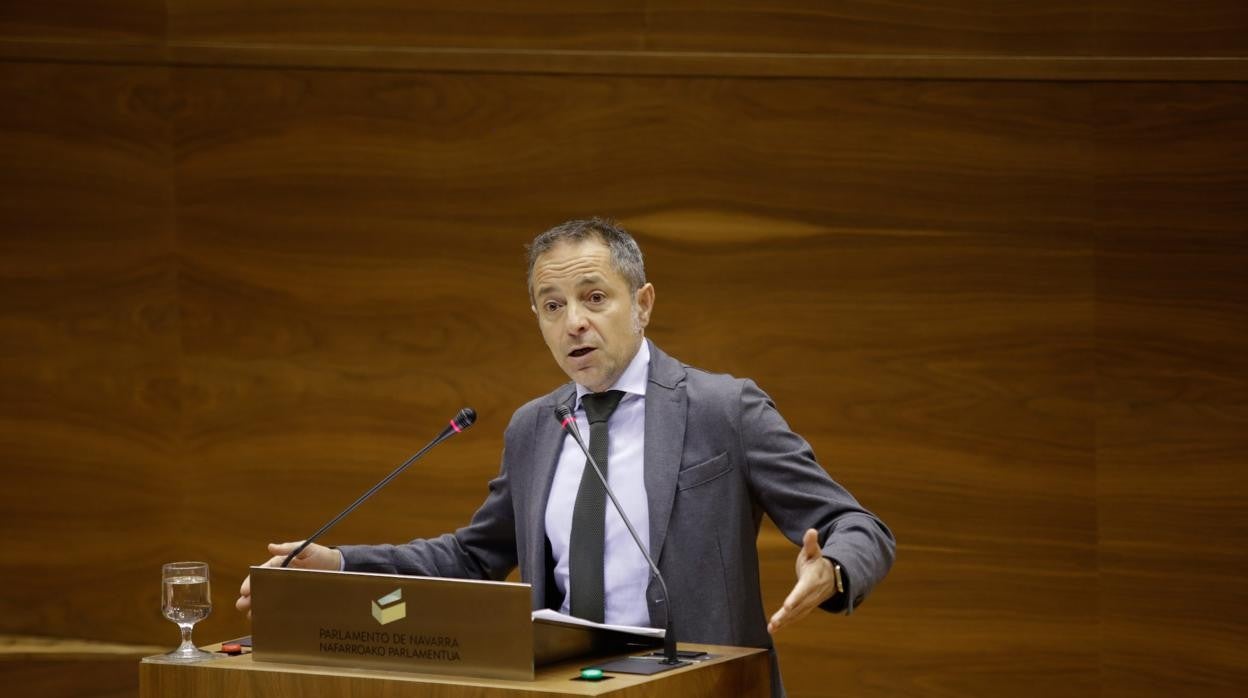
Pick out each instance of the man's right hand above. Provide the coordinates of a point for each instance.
(313, 557)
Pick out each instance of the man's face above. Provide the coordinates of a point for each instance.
(590, 321)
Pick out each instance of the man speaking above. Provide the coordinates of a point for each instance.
(695, 459)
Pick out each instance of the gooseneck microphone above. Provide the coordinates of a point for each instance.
(461, 421)
(564, 415)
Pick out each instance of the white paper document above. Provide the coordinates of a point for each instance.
(552, 616)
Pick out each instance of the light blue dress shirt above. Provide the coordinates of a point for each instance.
(626, 575)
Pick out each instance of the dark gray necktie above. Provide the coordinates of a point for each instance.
(589, 515)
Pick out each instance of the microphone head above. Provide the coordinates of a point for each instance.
(562, 412)
(464, 419)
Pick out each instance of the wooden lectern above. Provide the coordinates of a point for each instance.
(735, 671)
(385, 636)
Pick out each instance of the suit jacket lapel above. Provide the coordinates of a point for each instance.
(666, 404)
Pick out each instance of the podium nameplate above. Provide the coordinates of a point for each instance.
(393, 622)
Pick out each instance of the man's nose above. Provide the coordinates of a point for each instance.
(574, 317)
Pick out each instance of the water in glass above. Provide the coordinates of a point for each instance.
(186, 599)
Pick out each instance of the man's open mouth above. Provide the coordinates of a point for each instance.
(580, 352)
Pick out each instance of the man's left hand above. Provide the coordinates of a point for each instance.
(816, 583)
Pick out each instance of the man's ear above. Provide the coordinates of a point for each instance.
(644, 300)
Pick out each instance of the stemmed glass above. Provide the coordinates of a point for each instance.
(186, 599)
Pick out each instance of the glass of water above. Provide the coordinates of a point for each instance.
(186, 599)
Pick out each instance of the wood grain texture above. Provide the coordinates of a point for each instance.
(969, 39)
(629, 62)
(856, 27)
(88, 332)
(545, 24)
(97, 20)
(1172, 342)
(732, 671)
(803, 256)
(58, 668)
(1161, 28)
(53, 677)
(1008, 315)
(962, 28)
(873, 27)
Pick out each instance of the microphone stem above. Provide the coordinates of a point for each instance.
(386, 480)
(669, 635)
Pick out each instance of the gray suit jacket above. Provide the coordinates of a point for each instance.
(717, 457)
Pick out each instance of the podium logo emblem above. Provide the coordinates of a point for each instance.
(390, 608)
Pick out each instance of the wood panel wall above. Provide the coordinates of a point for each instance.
(988, 257)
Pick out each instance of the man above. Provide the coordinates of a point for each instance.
(695, 458)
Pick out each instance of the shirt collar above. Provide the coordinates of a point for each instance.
(633, 380)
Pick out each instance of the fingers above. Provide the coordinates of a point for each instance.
(245, 588)
(799, 605)
(815, 584)
(800, 602)
(244, 596)
(314, 556)
(780, 619)
(279, 551)
(283, 549)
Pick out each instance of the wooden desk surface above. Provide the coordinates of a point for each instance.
(734, 671)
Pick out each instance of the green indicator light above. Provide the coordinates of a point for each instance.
(591, 674)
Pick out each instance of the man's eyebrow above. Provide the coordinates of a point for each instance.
(543, 290)
(585, 280)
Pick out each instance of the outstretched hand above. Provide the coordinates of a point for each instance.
(816, 583)
(313, 557)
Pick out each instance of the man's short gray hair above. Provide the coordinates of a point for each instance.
(625, 254)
